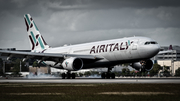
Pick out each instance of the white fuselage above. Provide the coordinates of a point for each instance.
(116, 51)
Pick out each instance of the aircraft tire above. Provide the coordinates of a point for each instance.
(73, 76)
(108, 75)
(103, 75)
(68, 75)
(112, 76)
(63, 75)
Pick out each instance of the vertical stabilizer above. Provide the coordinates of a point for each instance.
(36, 40)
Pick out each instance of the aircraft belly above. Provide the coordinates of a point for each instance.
(103, 64)
(98, 64)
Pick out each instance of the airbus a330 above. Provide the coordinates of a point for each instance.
(101, 54)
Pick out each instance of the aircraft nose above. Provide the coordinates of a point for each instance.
(156, 49)
(150, 51)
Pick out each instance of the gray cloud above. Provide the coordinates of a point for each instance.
(77, 21)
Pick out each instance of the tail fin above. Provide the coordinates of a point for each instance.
(37, 41)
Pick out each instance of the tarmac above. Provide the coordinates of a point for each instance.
(90, 80)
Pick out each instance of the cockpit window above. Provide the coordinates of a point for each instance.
(150, 42)
(147, 43)
(153, 42)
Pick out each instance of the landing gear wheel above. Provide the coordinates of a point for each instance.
(112, 76)
(63, 75)
(68, 75)
(73, 76)
(108, 75)
(103, 75)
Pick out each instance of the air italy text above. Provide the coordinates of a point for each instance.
(110, 47)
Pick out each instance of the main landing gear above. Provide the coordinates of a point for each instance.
(68, 75)
(108, 74)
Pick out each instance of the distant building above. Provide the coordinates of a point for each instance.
(174, 65)
(43, 70)
(13, 49)
(171, 59)
(174, 55)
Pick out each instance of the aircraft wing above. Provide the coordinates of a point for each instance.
(46, 56)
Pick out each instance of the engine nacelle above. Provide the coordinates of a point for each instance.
(147, 67)
(72, 64)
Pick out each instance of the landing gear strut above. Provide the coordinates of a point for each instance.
(142, 69)
(108, 74)
(68, 75)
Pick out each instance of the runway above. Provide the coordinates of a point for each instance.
(91, 80)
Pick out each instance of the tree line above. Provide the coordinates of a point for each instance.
(14, 66)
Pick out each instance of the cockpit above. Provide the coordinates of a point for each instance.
(150, 42)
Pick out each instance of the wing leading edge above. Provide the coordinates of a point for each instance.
(46, 56)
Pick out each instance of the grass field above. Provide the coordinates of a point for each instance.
(89, 92)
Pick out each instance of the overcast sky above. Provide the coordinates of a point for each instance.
(78, 21)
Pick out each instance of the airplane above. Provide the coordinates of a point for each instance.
(101, 54)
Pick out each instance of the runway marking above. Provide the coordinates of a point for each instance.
(86, 81)
(49, 85)
(34, 93)
(135, 93)
(104, 93)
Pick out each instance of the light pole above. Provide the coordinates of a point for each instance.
(172, 66)
(3, 66)
(20, 67)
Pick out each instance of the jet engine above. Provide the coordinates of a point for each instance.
(72, 64)
(146, 65)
